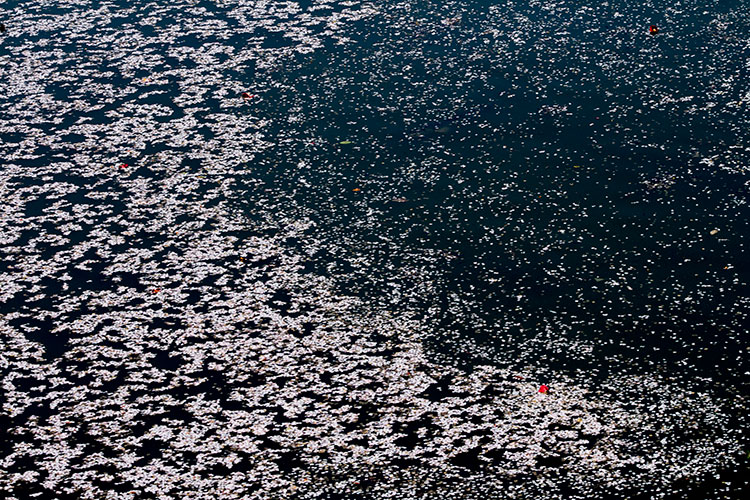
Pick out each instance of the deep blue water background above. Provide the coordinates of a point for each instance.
(529, 176)
(563, 146)
(518, 178)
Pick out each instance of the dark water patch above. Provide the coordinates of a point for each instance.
(265, 443)
(415, 432)
(37, 490)
(275, 39)
(166, 360)
(214, 385)
(469, 460)
(40, 330)
(551, 461)
(150, 449)
(440, 389)
(289, 461)
(281, 300)
(37, 207)
(92, 278)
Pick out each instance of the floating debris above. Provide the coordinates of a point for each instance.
(218, 318)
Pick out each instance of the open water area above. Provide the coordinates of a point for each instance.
(333, 249)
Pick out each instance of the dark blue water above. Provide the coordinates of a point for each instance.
(555, 183)
(539, 187)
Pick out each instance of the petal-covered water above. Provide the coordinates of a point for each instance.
(381, 249)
